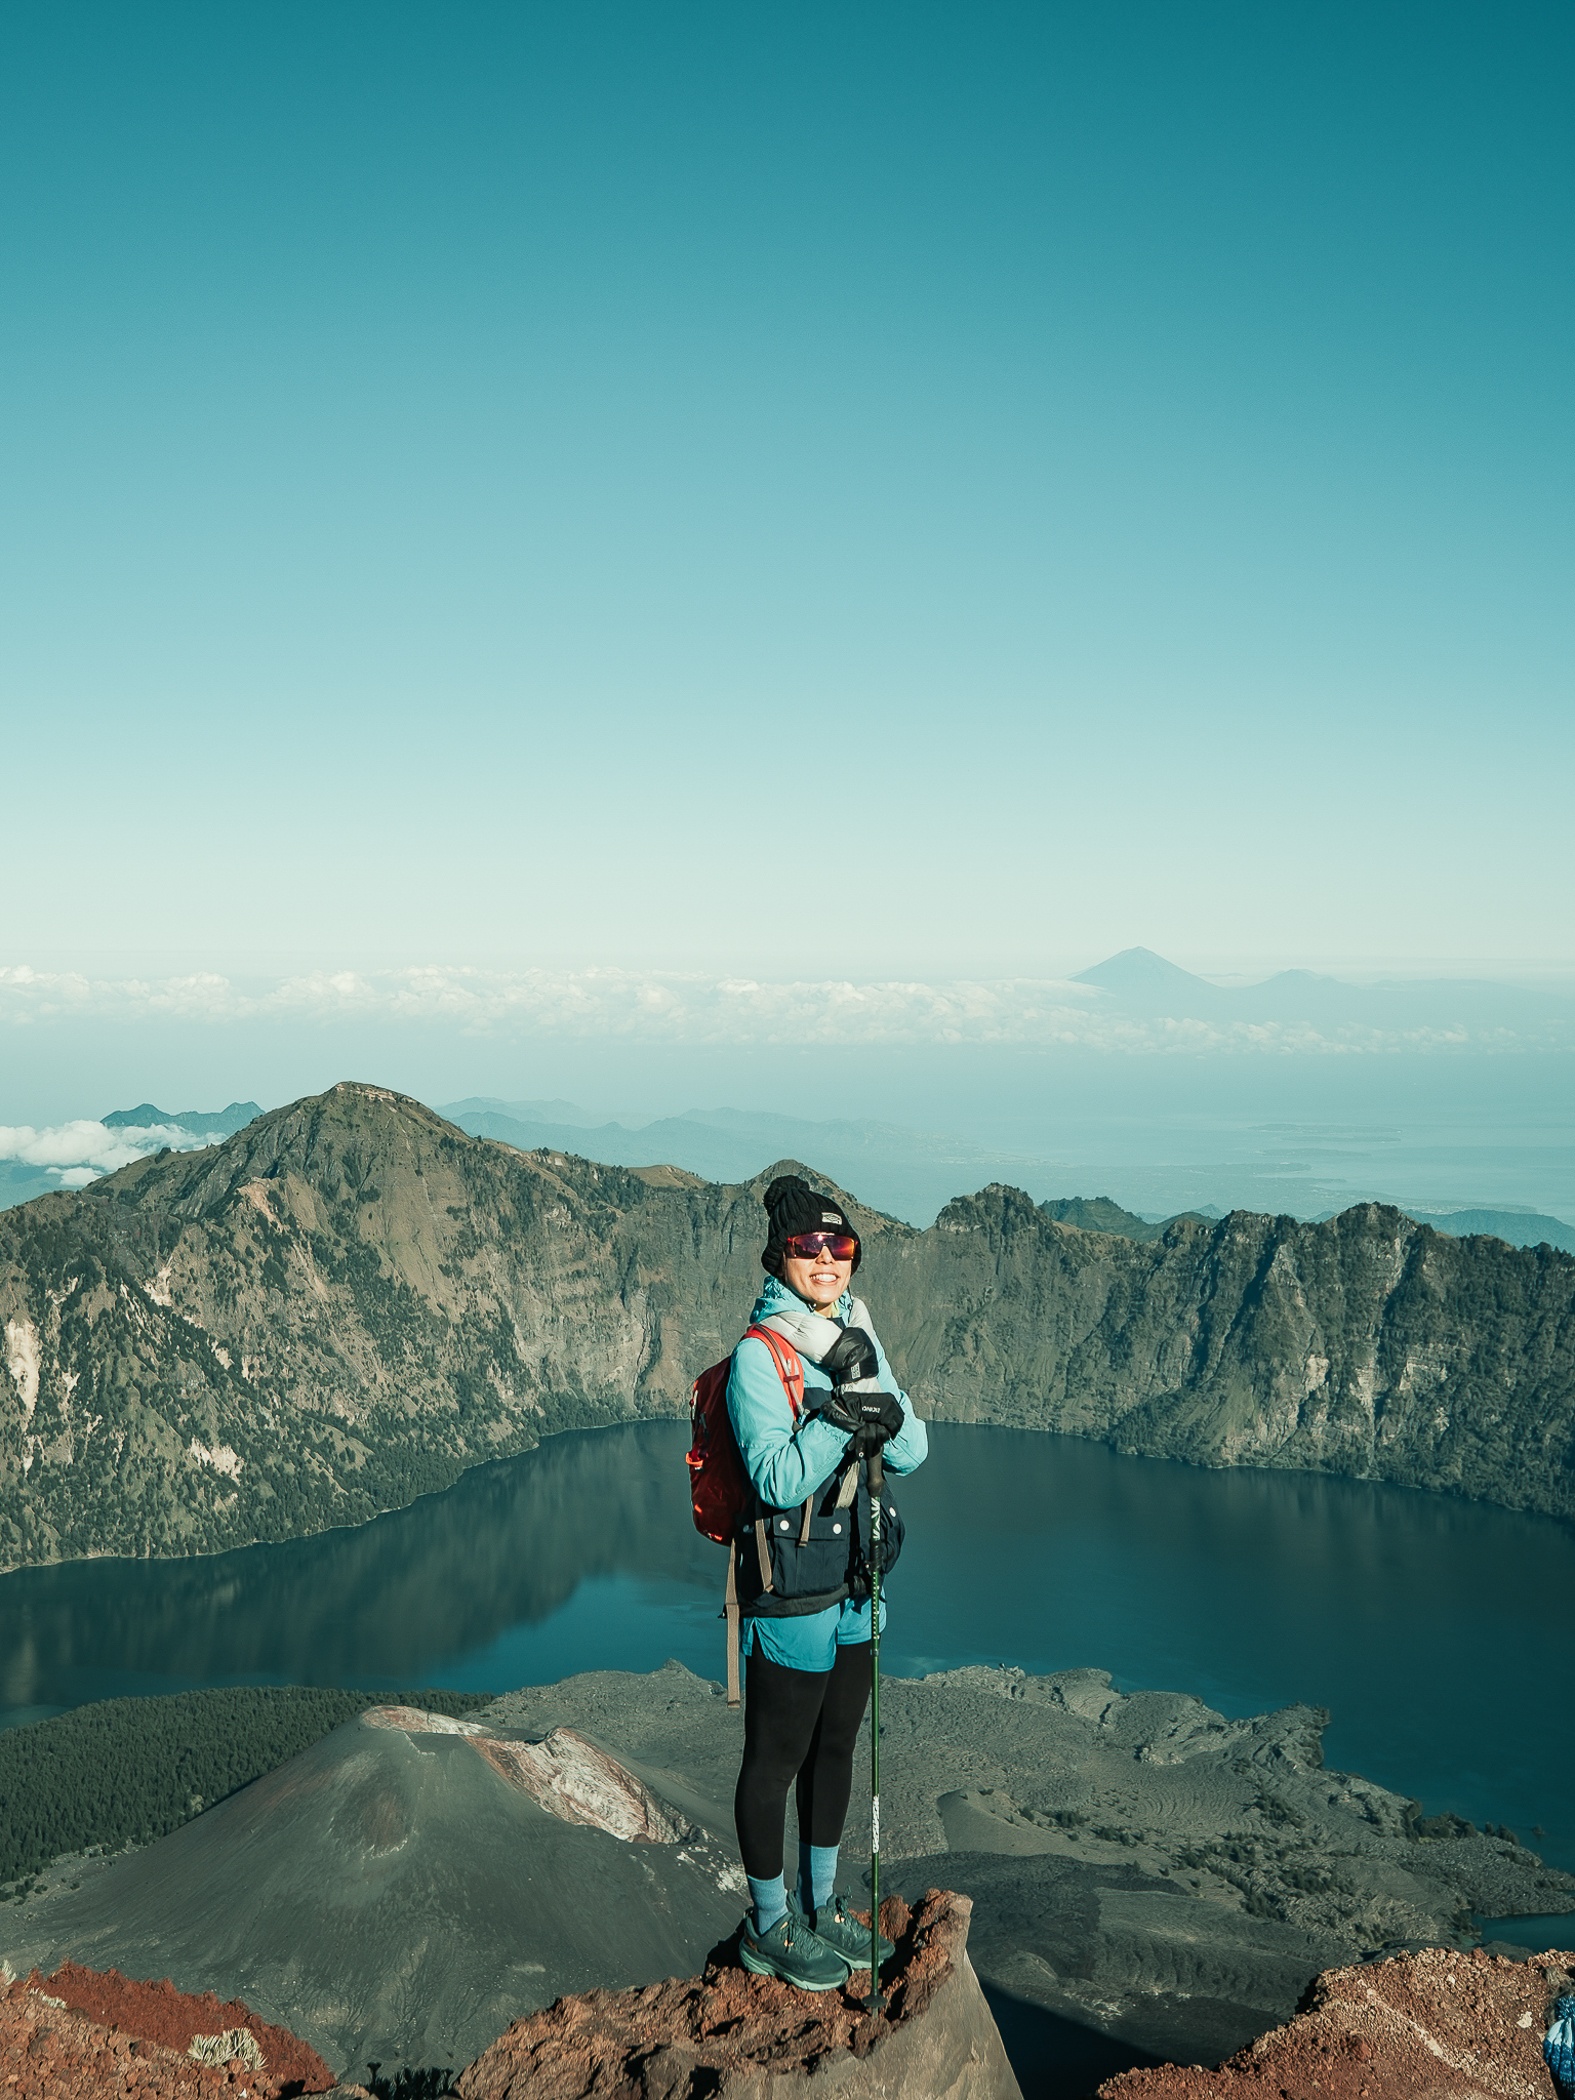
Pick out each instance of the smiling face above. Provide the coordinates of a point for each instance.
(818, 1278)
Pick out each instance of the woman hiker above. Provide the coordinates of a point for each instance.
(804, 1598)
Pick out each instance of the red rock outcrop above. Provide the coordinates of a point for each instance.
(743, 2037)
(1443, 2024)
(563, 1773)
(415, 1720)
(83, 2033)
(571, 1778)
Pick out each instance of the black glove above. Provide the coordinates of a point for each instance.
(841, 1410)
(880, 1419)
(871, 1419)
(850, 1358)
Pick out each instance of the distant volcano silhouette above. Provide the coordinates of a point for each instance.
(1140, 974)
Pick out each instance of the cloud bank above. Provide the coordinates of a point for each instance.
(677, 1007)
(77, 1153)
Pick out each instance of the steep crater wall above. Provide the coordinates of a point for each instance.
(350, 1301)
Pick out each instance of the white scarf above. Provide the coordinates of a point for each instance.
(812, 1334)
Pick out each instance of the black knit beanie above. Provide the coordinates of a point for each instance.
(794, 1207)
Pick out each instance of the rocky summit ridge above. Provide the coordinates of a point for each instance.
(1438, 2024)
(80, 2033)
(1441, 2022)
(742, 2037)
(349, 1301)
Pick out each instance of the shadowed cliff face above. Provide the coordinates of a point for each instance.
(336, 1311)
(1366, 1345)
(350, 1301)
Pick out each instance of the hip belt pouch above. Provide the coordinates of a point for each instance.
(817, 1554)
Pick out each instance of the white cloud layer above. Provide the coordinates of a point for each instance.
(77, 1153)
(676, 1007)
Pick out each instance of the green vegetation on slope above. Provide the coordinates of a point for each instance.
(126, 1771)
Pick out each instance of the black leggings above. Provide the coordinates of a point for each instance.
(799, 1725)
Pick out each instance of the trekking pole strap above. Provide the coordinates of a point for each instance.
(730, 1609)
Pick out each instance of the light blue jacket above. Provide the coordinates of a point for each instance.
(787, 1463)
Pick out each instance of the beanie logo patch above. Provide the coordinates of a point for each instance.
(832, 1217)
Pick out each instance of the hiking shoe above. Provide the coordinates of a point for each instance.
(839, 1929)
(792, 1951)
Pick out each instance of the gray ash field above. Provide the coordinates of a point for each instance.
(1140, 1866)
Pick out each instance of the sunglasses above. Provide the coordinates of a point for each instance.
(804, 1246)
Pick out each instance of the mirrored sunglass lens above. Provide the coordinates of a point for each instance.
(805, 1245)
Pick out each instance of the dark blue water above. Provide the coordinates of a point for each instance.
(1538, 1933)
(1436, 1631)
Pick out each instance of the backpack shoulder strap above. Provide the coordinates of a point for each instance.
(790, 1367)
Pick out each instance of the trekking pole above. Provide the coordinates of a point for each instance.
(877, 1487)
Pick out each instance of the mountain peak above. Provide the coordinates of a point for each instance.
(1139, 972)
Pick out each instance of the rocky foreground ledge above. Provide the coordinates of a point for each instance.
(83, 2033)
(1440, 2023)
(741, 2037)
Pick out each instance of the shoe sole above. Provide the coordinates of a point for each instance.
(758, 1967)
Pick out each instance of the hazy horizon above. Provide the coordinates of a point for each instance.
(1153, 1086)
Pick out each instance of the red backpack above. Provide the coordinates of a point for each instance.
(719, 1490)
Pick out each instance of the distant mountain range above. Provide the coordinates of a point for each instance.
(906, 1172)
(199, 1122)
(1521, 1228)
(1099, 1214)
(1518, 1228)
(350, 1300)
(1145, 984)
(79, 1151)
(912, 1174)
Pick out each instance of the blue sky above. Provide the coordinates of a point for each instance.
(529, 486)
